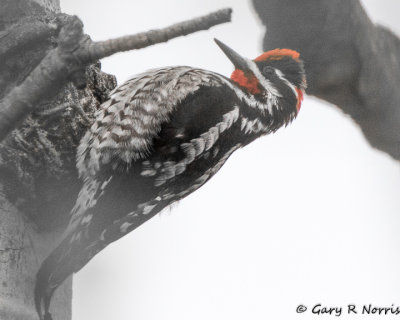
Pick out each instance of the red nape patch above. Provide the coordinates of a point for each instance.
(300, 97)
(278, 54)
(250, 82)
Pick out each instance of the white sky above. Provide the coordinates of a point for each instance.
(308, 215)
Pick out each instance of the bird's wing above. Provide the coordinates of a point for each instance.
(127, 125)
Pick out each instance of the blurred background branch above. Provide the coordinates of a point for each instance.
(350, 61)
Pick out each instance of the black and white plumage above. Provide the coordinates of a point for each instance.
(161, 136)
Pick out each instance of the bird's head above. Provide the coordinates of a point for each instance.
(276, 77)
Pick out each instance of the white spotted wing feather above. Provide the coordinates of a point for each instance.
(126, 124)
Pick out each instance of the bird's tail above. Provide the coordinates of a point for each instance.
(71, 255)
(57, 267)
(45, 287)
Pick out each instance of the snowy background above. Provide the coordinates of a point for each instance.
(308, 215)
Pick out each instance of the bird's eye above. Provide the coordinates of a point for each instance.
(267, 71)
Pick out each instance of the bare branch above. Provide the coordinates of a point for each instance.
(99, 50)
(74, 52)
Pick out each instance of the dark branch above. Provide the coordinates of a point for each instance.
(74, 52)
(350, 62)
(16, 38)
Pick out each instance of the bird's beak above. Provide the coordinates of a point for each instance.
(238, 61)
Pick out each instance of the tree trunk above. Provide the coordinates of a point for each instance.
(38, 179)
(22, 248)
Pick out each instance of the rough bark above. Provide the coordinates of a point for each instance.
(38, 179)
(349, 61)
(21, 250)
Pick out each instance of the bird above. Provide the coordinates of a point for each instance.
(162, 135)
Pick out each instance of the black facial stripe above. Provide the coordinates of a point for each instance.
(292, 70)
(289, 98)
(283, 112)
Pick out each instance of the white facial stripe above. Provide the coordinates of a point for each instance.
(290, 85)
(250, 100)
(264, 82)
(272, 94)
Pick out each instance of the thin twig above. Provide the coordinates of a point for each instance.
(74, 52)
(60, 108)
